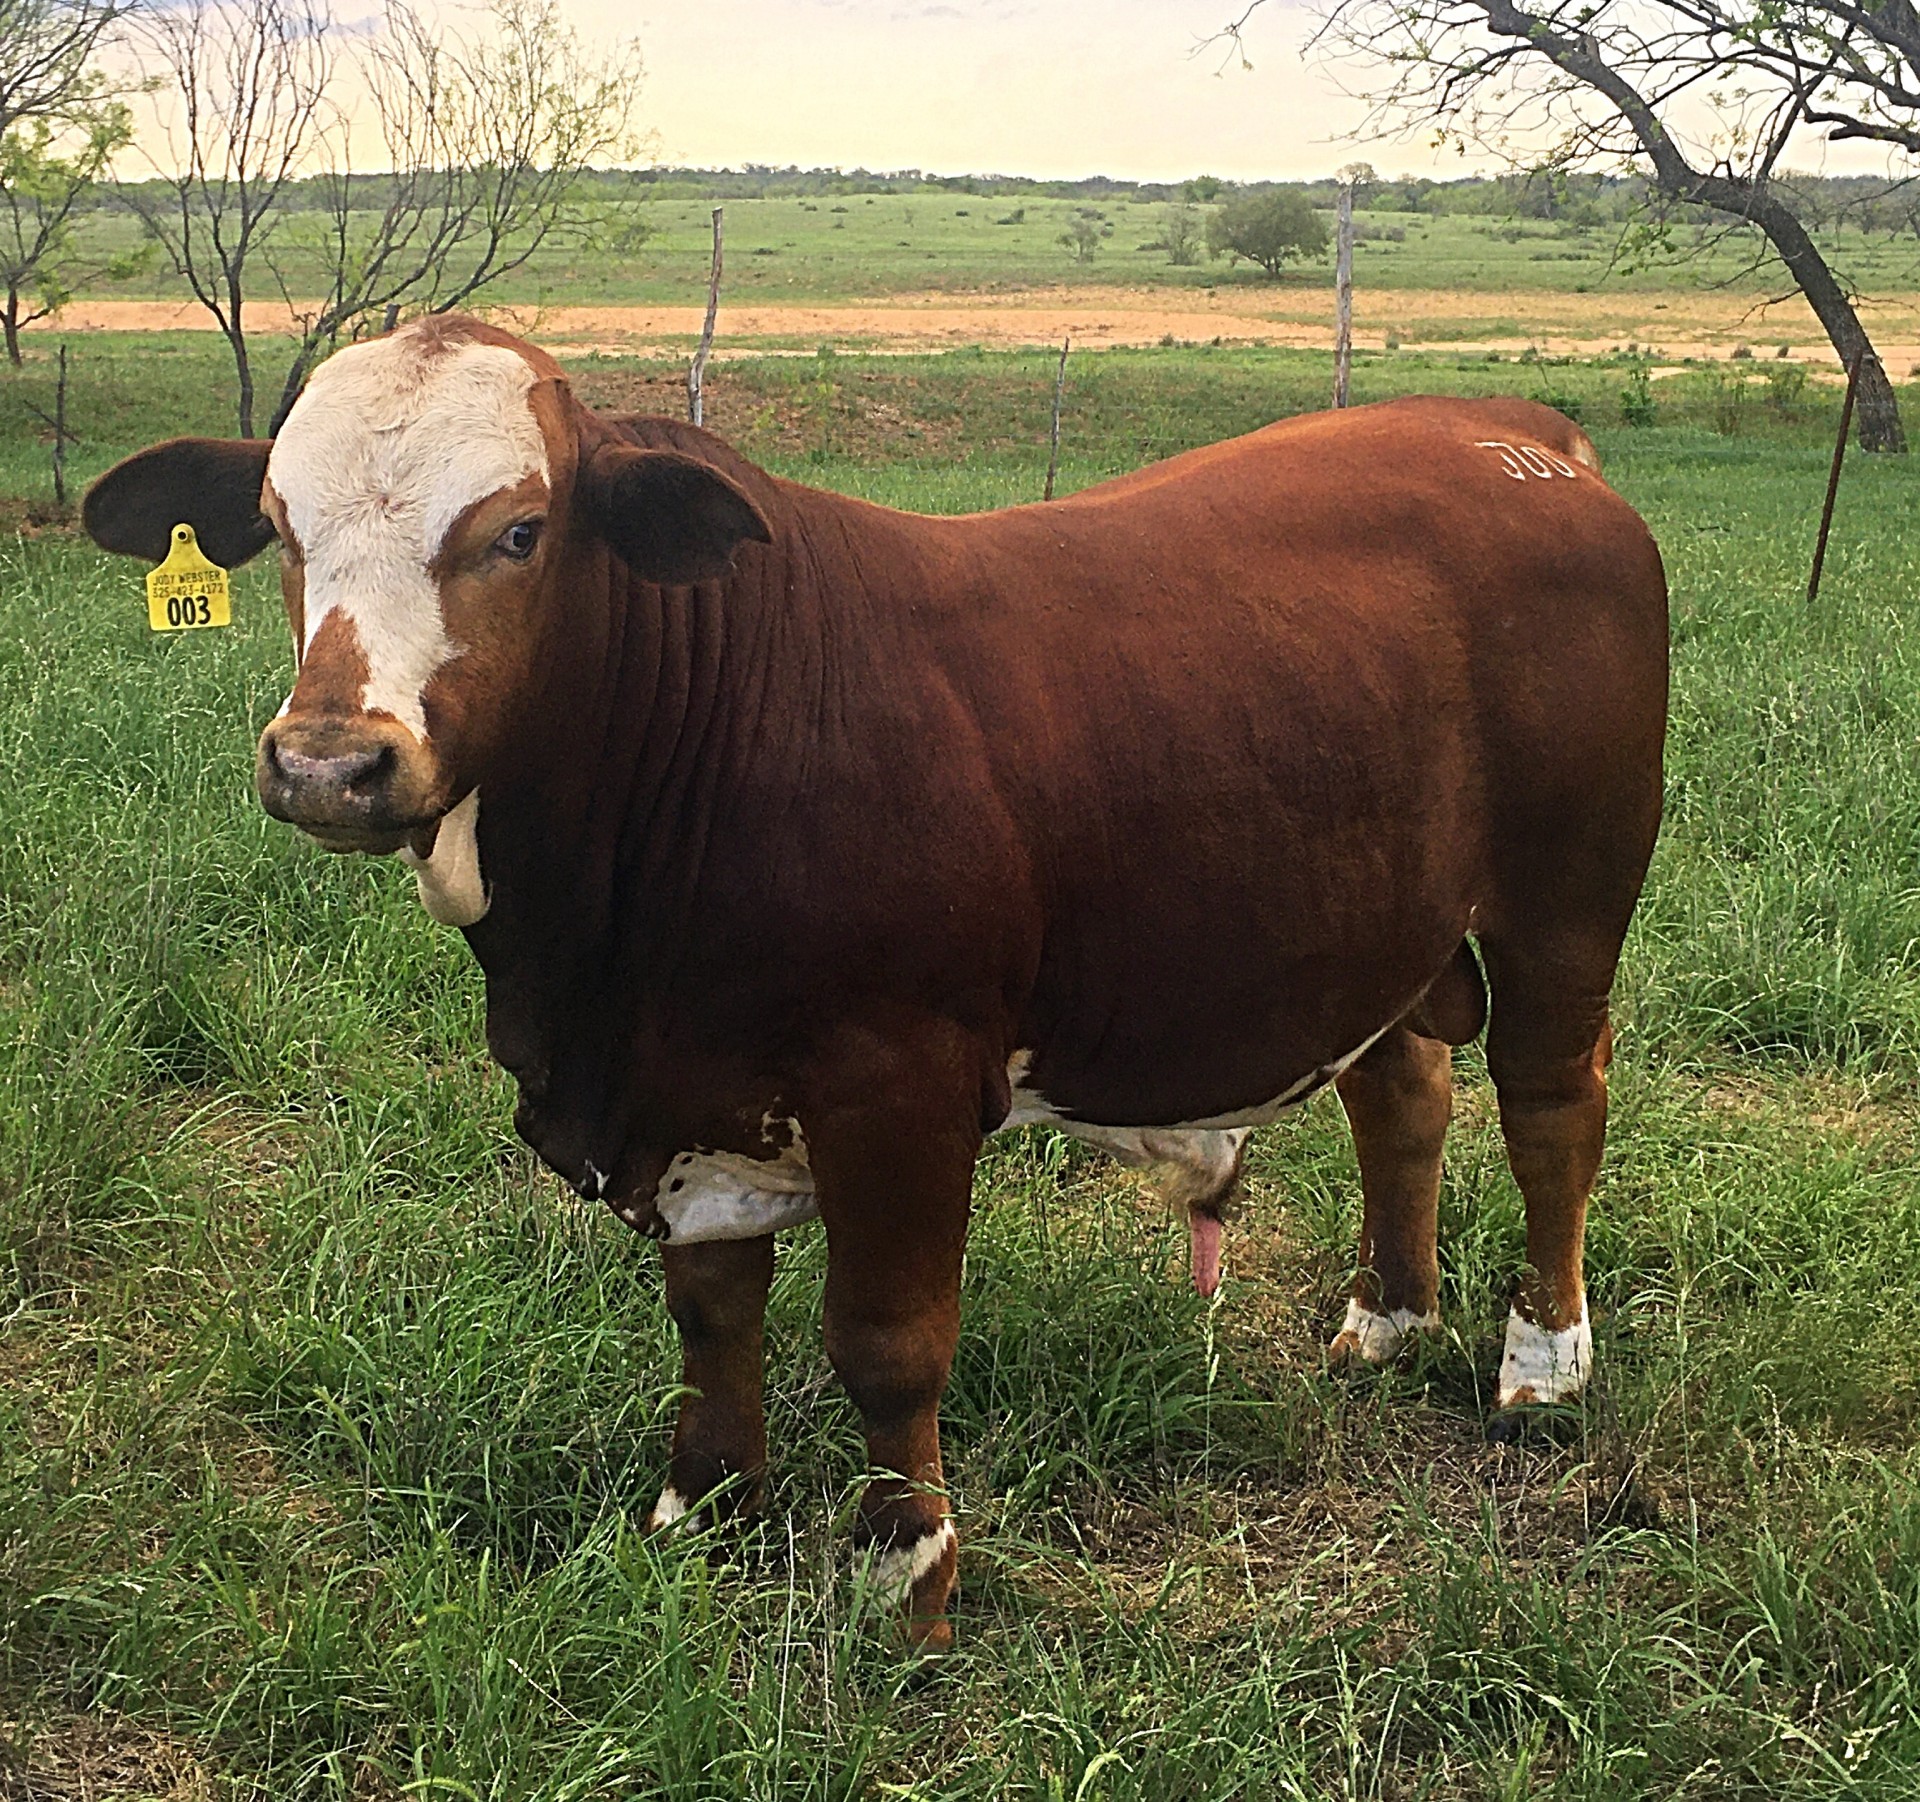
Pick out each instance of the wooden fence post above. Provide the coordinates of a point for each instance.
(1343, 294)
(1053, 442)
(696, 375)
(1833, 476)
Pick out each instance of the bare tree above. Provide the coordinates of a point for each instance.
(47, 51)
(249, 81)
(484, 140)
(1707, 95)
(45, 174)
(61, 120)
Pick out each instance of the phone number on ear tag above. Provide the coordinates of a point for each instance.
(181, 602)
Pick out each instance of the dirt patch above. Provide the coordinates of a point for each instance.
(35, 519)
(1876, 1115)
(90, 1759)
(855, 413)
(1387, 1462)
(1680, 325)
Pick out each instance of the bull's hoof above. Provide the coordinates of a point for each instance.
(1510, 1426)
(673, 1510)
(1513, 1426)
(919, 1580)
(1367, 1337)
(1535, 1423)
(1540, 1366)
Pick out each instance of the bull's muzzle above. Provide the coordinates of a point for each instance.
(353, 783)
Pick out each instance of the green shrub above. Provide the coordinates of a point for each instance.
(1271, 229)
(1636, 398)
(1786, 382)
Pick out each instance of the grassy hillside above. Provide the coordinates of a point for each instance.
(327, 1422)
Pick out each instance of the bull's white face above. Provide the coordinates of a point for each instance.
(392, 443)
(409, 489)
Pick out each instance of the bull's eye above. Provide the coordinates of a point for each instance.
(518, 541)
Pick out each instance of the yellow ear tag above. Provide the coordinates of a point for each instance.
(187, 590)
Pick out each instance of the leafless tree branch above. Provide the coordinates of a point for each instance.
(1709, 96)
(484, 137)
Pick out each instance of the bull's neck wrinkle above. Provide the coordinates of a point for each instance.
(684, 734)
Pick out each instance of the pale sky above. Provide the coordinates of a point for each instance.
(1021, 87)
(1064, 88)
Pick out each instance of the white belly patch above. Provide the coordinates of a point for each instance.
(708, 1195)
(1031, 1108)
(715, 1195)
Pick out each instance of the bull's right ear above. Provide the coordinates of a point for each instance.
(211, 484)
(672, 517)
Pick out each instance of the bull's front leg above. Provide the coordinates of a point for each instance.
(717, 1295)
(894, 1171)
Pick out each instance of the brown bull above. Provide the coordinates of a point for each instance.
(804, 842)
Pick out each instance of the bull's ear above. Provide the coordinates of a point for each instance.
(211, 484)
(672, 518)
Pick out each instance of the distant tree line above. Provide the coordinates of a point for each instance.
(1863, 202)
(1873, 202)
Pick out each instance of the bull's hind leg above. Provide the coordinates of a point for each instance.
(717, 1295)
(1548, 1050)
(1398, 1099)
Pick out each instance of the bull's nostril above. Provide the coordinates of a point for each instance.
(347, 781)
(370, 766)
(343, 771)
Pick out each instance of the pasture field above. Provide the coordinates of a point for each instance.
(829, 248)
(1000, 261)
(328, 1422)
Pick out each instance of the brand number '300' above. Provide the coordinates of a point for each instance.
(1523, 460)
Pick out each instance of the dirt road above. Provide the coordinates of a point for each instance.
(1675, 326)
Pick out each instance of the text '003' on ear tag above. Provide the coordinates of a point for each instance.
(187, 590)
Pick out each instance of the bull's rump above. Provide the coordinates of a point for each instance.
(1278, 722)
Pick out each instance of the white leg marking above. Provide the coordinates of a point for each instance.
(451, 888)
(1379, 1337)
(1540, 1366)
(895, 1572)
(671, 1506)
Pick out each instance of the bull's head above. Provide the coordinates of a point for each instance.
(430, 493)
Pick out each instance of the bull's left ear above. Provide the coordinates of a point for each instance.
(211, 484)
(672, 518)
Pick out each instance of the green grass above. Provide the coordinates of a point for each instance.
(829, 248)
(327, 1422)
